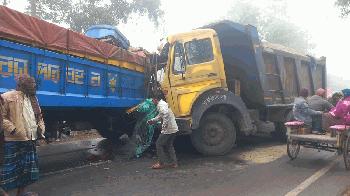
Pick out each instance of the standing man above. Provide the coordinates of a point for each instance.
(318, 102)
(165, 141)
(22, 125)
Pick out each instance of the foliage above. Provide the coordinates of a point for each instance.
(272, 24)
(344, 6)
(80, 14)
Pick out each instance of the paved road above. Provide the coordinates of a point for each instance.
(257, 166)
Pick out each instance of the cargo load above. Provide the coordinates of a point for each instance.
(19, 27)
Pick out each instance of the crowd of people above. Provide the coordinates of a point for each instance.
(319, 114)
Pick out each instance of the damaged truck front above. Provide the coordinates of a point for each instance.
(221, 81)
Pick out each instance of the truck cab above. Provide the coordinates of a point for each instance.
(220, 81)
(197, 91)
(193, 68)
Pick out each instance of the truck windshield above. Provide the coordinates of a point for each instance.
(199, 51)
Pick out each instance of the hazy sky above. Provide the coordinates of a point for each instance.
(320, 18)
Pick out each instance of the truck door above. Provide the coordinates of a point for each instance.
(193, 69)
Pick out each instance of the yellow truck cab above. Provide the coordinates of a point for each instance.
(220, 81)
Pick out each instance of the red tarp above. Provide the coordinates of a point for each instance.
(23, 28)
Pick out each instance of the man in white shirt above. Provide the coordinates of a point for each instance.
(165, 141)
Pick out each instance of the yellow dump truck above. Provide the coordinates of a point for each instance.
(222, 81)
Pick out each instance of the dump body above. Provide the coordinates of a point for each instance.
(269, 74)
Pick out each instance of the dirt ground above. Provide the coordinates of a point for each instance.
(263, 154)
(79, 135)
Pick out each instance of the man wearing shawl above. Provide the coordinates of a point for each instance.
(22, 125)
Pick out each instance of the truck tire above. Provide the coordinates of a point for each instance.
(216, 135)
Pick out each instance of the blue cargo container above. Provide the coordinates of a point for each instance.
(72, 88)
(106, 31)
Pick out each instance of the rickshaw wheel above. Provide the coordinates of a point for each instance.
(346, 154)
(293, 148)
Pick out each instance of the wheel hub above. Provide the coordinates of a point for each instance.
(213, 135)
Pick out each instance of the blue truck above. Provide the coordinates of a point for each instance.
(71, 88)
(81, 79)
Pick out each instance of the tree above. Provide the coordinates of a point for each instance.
(80, 14)
(272, 24)
(344, 6)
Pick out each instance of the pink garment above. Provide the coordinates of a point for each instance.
(342, 111)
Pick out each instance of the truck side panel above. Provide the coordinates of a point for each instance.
(319, 76)
(273, 83)
(289, 78)
(67, 81)
(305, 76)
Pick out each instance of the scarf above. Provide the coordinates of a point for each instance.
(36, 108)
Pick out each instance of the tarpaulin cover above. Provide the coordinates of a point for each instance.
(27, 29)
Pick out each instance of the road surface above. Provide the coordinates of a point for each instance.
(257, 166)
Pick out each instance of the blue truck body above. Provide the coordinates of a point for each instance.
(67, 81)
(72, 90)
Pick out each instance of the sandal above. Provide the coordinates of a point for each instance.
(158, 166)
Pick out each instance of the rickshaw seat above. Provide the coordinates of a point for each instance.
(340, 128)
(294, 124)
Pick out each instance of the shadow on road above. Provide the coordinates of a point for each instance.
(185, 151)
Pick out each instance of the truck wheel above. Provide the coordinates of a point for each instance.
(215, 136)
